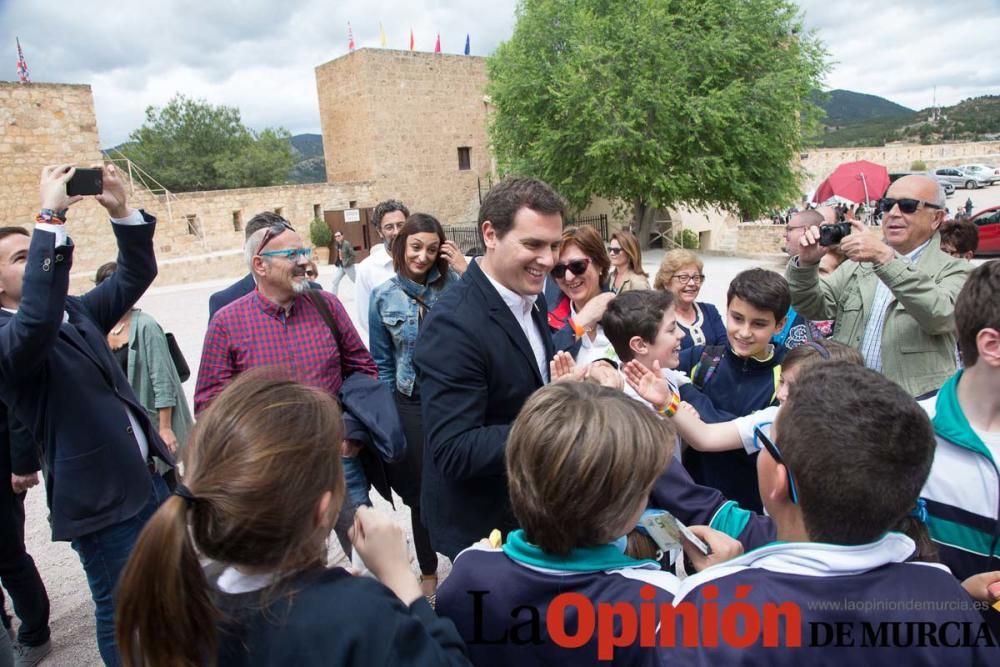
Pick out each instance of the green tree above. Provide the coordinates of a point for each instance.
(192, 145)
(657, 102)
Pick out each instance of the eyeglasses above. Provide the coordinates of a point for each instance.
(614, 251)
(578, 267)
(272, 231)
(292, 253)
(684, 278)
(772, 449)
(906, 206)
(392, 227)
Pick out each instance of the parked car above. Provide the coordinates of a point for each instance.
(988, 222)
(949, 189)
(961, 178)
(986, 171)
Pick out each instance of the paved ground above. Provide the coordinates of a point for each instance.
(184, 311)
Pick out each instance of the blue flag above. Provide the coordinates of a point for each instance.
(466, 43)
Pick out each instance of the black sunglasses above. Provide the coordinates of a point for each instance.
(614, 251)
(272, 231)
(906, 206)
(577, 266)
(772, 449)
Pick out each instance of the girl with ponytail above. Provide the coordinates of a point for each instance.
(231, 570)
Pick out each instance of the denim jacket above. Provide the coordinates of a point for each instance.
(393, 323)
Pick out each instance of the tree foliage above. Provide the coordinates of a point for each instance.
(657, 102)
(192, 145)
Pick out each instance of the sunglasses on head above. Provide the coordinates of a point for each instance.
(273, 231)
(906, 205)
(772, 449)
(578, 267)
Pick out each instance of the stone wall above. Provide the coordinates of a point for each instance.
(398, 119)
(820, 163)
(762, 239)
(199, 235)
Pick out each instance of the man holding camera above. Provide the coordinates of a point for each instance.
(60, 380)
(894, 297)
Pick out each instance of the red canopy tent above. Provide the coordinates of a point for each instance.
(860, 181)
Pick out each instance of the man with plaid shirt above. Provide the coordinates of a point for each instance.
(278, 325)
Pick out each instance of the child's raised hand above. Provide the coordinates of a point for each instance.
(563, 368)
(723, 548)
(984, 586)
(381, 544)
(649, 384)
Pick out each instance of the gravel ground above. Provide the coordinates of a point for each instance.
(183, 311)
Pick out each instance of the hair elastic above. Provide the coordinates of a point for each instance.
(182, 491)
(823, 352)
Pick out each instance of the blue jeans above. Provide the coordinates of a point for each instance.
(357, 482)
(104, 555)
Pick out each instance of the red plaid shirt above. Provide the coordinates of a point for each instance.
(253, 331)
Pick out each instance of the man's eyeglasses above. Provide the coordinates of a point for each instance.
(390, 227)
(685, 278)
(577, 266)
(772, 449)
(906, 206)
(614, 251)
(273, 231)
(292, 253)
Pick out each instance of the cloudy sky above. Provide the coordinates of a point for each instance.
(259, 55)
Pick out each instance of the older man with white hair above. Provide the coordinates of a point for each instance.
(894, 297)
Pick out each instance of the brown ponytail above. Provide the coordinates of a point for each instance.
(257, 464)
(163, 597)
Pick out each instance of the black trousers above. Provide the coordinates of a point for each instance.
(18, 573)
(405, 476)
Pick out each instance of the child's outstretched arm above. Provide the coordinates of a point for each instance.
(720, 437)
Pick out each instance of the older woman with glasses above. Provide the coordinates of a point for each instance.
(582, 275)
(681, 273)
(626, 263)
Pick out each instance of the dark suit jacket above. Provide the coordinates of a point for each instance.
(241, 287)
(61, 381)
(475, 370)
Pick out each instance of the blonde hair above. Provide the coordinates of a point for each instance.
(671, 263)
(580, 459)
(630, 246)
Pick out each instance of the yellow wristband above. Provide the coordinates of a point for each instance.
(670, 408)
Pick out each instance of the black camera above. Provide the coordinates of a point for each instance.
(833, 234)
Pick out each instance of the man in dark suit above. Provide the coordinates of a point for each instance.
(59, 379)
(18, 573)
(482, 350)
(246, 284)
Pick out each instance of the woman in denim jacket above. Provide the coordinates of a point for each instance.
(422, 259)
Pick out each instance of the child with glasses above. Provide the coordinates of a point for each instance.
(839, 470)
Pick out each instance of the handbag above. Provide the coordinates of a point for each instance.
(180, 363)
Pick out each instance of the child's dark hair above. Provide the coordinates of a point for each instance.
(819, 350)
(634, 313)
(762, 289)
(859, 449)
(977, 308)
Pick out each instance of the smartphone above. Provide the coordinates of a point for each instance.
(86, 182)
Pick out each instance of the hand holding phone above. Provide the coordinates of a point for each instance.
(86, 182)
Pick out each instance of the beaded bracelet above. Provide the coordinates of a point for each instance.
(670, 409)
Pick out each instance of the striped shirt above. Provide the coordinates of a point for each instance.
(871, 342)
(253, 331)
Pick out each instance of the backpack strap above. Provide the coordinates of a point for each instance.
(324, 311)
(711, 357)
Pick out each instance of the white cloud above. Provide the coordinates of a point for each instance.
(260, 55)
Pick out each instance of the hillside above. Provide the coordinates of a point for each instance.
(844, 106)
(973, 119)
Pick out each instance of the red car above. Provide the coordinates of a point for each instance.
(988, 221)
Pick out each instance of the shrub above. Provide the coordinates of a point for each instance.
(320, 234)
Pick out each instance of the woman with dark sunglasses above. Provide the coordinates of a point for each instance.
(626, 263)
(397, 309)
(582, 276)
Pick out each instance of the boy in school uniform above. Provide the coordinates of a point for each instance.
(841, 469)
(962, 494)
(580, 461)
(740, 378)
